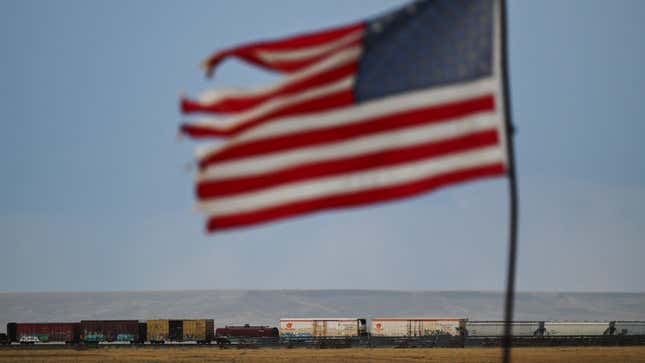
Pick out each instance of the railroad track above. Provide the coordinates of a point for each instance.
(362, 342)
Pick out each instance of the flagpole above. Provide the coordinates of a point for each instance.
(513, 200)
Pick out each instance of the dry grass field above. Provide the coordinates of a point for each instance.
(448, 355)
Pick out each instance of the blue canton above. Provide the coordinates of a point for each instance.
(425, 44)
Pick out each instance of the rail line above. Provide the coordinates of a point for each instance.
(360, 342)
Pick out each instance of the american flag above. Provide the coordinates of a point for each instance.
(386, 108)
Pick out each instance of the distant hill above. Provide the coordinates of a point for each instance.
(267, 306)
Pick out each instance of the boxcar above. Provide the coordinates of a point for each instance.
(323, 327)
(96, 331)
(577, 328)
(158, 331)
(30, 333)
(496, 328)
(199, 330)
(414, 327)
(164, 330)
(629, 328)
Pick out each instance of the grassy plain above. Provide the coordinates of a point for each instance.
(354, 355)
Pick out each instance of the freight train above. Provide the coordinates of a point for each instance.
(202, 331)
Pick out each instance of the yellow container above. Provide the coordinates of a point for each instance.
(158, 330)
(200, 330)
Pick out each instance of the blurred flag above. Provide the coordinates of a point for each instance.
(383, 109)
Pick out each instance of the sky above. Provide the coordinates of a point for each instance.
(97, 190)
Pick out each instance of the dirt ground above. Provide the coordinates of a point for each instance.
(354, 355)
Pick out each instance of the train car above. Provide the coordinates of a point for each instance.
(496, 328)
(97, 331)
(577, 328)
(417, 327)
(200, 330)
(161, 331)
(629, 328)
(323, 327)
(247, 331)
(158, 331)
(4, 339)
(31, 333)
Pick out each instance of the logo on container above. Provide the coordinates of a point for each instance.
(379, 326)
(289, 325)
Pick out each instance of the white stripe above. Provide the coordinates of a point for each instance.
(351, 182)
(359, 112)
(226, 123)
(341, 58)
(383, 141)
(308, 52)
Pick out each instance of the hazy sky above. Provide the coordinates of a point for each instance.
(96, 195)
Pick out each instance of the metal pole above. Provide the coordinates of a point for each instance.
(513, 200)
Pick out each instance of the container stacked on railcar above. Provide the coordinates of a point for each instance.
(323, 327)
(417, 327)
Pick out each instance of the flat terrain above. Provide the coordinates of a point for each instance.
(210, 354)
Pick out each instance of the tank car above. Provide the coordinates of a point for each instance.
(247, 331)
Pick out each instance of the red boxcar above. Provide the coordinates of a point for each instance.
(247, 331)
(95, 331)
(29, 333)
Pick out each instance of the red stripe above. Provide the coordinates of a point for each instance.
(211, 189)
(332, 100)
(355, 198)
(241, 103)
(420, 116)
(290, 66)
(247, 51)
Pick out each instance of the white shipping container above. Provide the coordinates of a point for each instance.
(496, 328)
(321, 327)
(630, 328)
(556, 328)
(414, 327)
